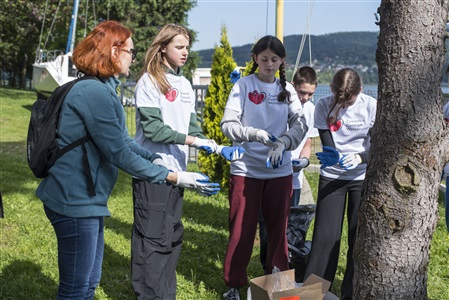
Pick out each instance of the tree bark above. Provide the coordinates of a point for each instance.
(409, 146)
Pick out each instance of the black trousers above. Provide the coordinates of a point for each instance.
(156, 239)
(330, 213)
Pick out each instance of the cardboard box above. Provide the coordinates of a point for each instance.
(314, 288)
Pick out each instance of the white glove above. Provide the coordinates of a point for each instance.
(230, 153)
(198, 182)
(266, 138)
(161, 162)
(350, 161)
(276, 154)
(300, 163)
(209, 145)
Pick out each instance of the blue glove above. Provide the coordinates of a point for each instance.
(231, 153)
(350, 161)
(235, 75)
(198, 182)
(328, 157)
(206, 188)
(275, 155)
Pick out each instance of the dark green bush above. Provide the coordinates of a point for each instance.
(216, 167)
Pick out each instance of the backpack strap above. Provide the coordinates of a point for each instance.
(82, 141)
(90, 181)
(73, 145)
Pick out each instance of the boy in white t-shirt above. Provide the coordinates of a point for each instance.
(305, 83)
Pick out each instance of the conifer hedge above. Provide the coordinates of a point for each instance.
(216, 167)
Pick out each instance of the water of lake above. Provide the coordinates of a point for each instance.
(324, 90)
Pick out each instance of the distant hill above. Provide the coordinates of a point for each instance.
(344, 48)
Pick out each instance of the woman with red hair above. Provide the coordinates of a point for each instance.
(92, 107)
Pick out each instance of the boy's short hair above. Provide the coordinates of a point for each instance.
(305, 74)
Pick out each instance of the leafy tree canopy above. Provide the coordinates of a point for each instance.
(21, 23)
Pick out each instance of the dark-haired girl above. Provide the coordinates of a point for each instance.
(263, 115)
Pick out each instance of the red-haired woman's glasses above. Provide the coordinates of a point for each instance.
(131, 51)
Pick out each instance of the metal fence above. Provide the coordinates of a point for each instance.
(129, 102)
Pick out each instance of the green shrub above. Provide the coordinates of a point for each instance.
(216, 167)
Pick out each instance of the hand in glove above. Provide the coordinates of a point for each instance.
(161, 162)
(299, 164)
(209, 145)
(230, 153)
(235, 75)
(276, 154)
(266, 138)
(350, 161)
(198, 182)
(328, 157)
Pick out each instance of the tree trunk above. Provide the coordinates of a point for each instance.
(409, 146)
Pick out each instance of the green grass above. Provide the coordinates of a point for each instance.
(28, 254)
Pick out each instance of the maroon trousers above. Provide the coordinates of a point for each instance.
(246, 197)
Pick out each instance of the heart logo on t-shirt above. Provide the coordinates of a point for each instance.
(171, 95)
(255, 97)
(336, 125)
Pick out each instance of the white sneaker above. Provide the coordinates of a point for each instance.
(232, 294)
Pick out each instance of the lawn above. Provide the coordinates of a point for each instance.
(28, 256)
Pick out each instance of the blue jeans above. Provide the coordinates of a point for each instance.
(80, 254)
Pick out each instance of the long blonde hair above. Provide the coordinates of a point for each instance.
(154, 65)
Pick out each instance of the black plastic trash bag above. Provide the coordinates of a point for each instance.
(299, 220)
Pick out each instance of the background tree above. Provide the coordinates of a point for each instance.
(216, 167)
(21, 22)
(410, 144)
(145, 18)
(20, 25)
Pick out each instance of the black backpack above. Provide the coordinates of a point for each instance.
(42, 149)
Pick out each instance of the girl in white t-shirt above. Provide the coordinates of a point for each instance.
(263, 115)
(446, 169)
(167, 124)
(344, 120)
(305, 83)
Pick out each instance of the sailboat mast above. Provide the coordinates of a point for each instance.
(280, 20)
(72, 30)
